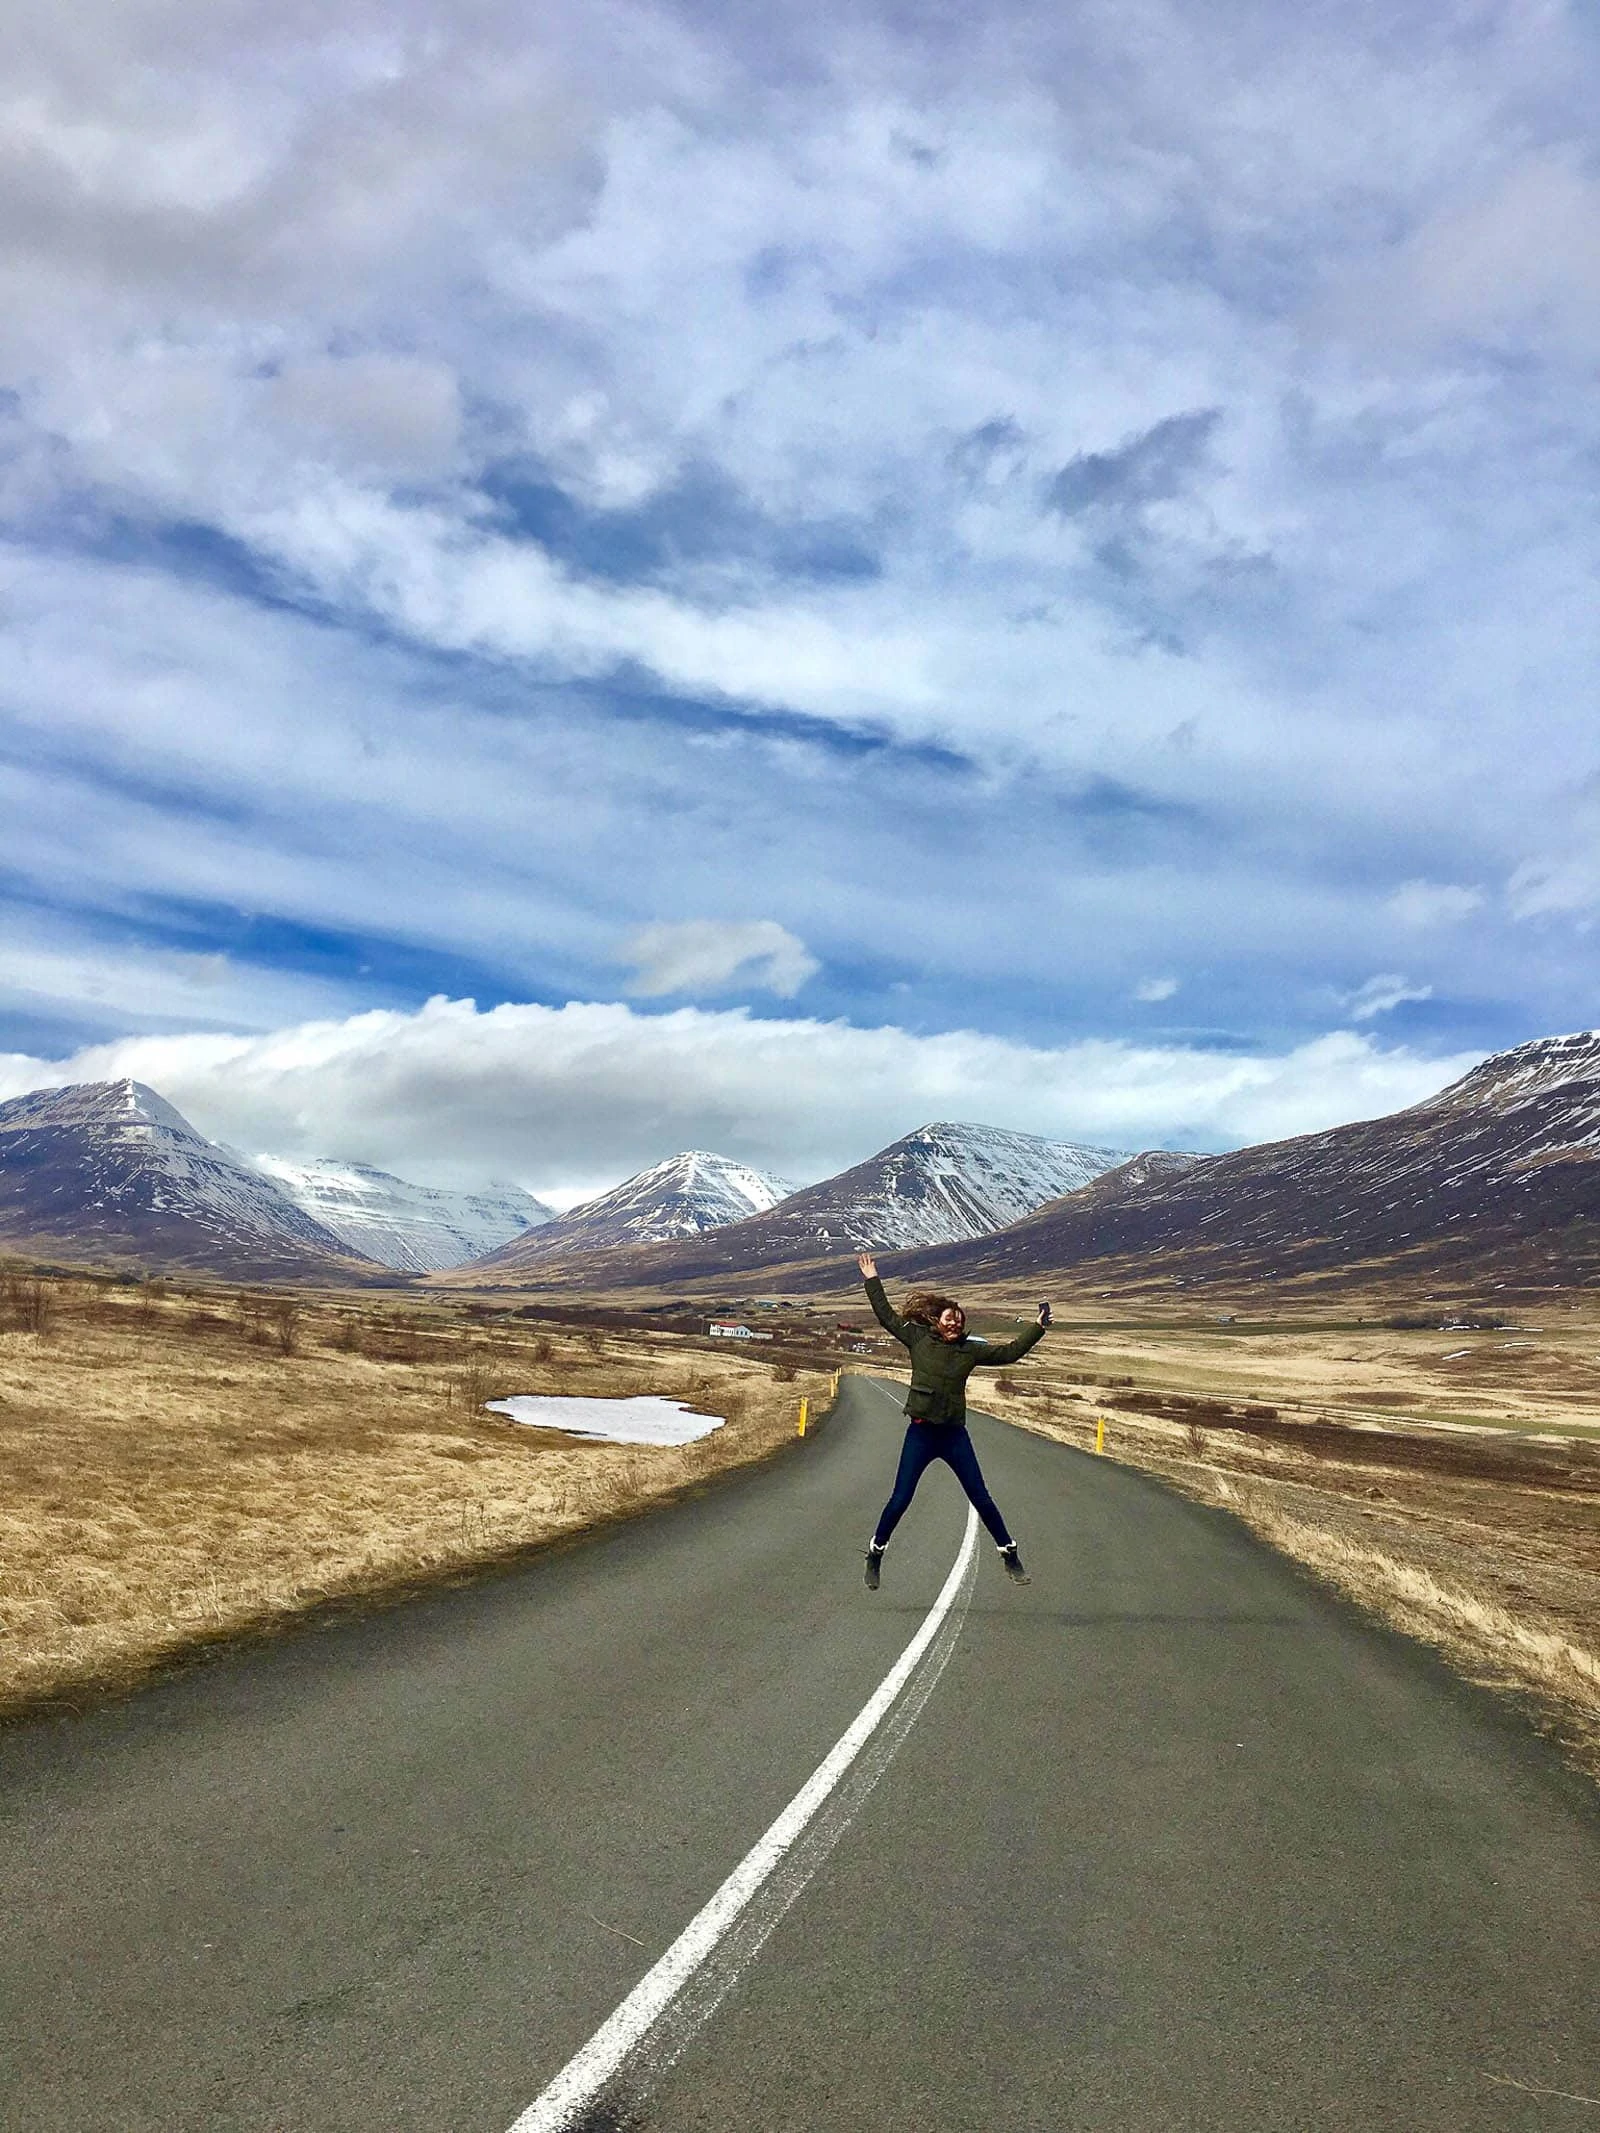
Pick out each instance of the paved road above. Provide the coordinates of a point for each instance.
(1176, 1843)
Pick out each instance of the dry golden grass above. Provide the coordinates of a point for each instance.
(182, 1467)
(1499, 1573)
(1538, 1372)
(175, 1469)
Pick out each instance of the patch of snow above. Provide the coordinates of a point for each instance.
(641, 1419)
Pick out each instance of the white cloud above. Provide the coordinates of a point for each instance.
(1154, 989)
(1523, 253)
(578, 1097)
(708, 955)
(1545, 888)
(1434, 903)
(1383, 993)
(384, 414)
(307, 304)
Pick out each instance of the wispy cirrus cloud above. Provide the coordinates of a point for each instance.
(1382, 994)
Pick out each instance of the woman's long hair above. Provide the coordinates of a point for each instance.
(926, 1306)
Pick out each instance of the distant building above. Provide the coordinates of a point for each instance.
(727, 1329)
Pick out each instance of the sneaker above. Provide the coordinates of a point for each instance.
(874, 1562)
(1013, 1563)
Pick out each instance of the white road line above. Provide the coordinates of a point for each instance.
(625, 2030)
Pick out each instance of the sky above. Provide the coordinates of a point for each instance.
(585, 581)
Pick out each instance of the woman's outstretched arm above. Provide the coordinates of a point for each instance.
(1014, 1351)
(882, 1310)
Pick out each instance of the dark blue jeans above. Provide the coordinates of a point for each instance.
(925, 1442)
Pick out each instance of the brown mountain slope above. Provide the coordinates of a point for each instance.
(1498, 1174)
(109, 1172)
(942, 1182)
(1497, 1177)
(683, 1197)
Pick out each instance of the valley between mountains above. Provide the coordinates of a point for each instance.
(1492, 1181)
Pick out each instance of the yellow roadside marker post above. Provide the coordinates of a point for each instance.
(803, 1406)
(1100, 1433)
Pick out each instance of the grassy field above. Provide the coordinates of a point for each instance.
(182, 1467)
(1445, 1477)
(179, 1467)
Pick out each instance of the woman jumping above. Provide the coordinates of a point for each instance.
(942, 1359)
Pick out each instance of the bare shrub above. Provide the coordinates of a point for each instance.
(472, 1384)
(283, 1317)
(1197, 1439)
(152, 1295)
(397, 1341)
(30, 1305)
(249, 1313)
(784, 1373)
(397, 1348)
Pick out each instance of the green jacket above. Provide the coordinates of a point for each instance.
(939, 1368)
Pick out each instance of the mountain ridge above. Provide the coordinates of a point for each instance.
(113, 1169)
(942, 1180)
(1498, 1172)
(415, 1229)
(681, 1197)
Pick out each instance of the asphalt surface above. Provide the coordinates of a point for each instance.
(1176, 1843)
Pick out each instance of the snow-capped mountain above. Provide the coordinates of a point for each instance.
(418, 1229)
(108, 1169)
(939, 1183)
(682, 1197)
(1498, 1172)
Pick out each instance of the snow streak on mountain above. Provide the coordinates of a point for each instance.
(110, 1168)
(416, 1228)
(946, 1182)
(682, 1197)
(1499, 1173)
(943, 1182)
